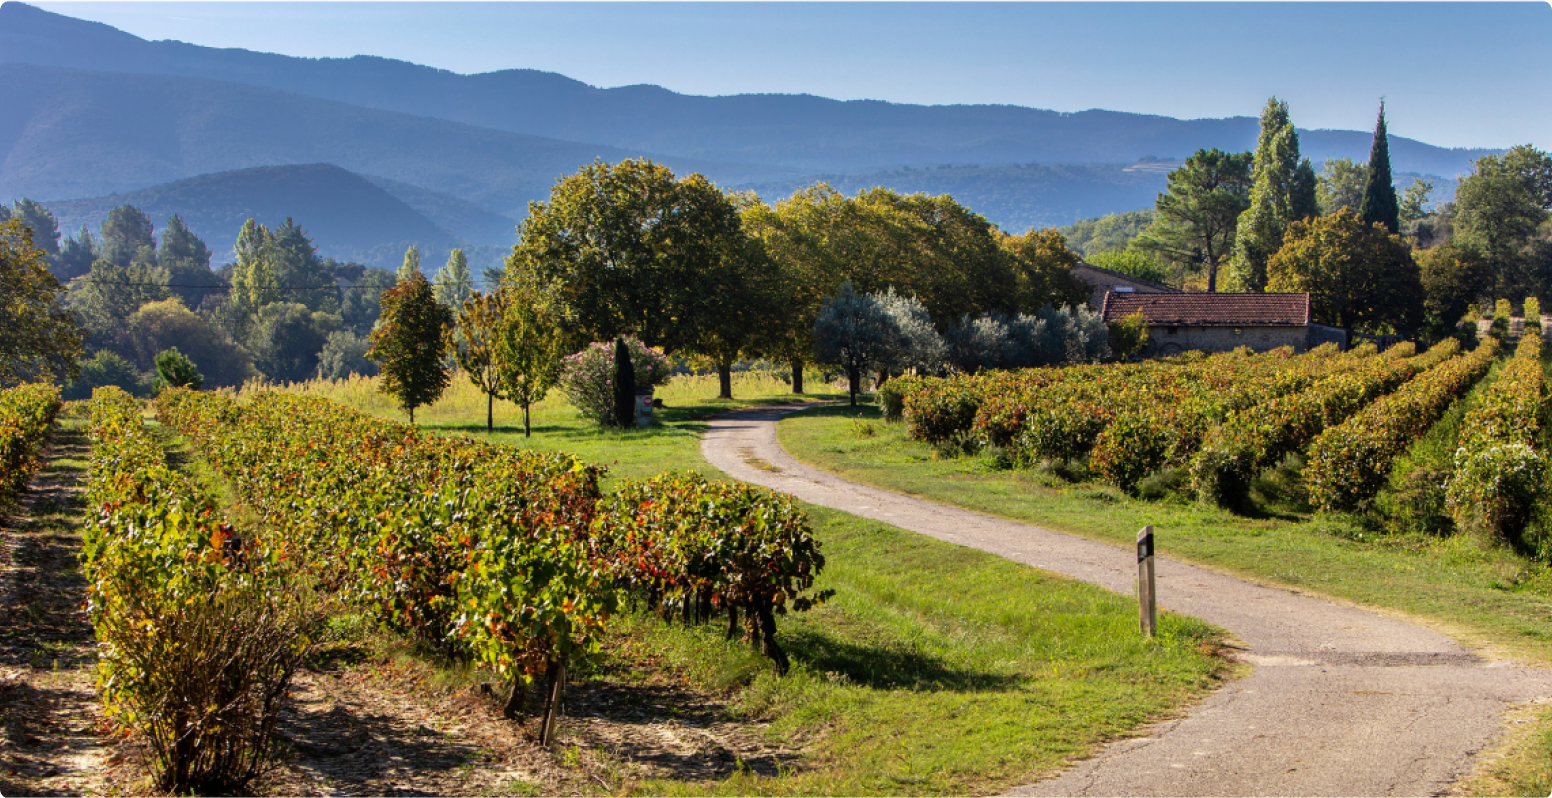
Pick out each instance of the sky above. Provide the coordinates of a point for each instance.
(1452, 74)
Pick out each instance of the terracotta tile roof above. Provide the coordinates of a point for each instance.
(1211, 310)
(1100, 274)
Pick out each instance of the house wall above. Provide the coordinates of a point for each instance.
(1162, 342)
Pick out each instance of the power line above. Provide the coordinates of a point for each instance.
(134, 284)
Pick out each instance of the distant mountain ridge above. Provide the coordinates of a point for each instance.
(797, 132)
(344, 213)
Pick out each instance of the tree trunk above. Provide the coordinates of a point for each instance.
(527, 428)
(1212, 274)
(853, 376)
(490, 412)
(797, 376)
(516, 702)
(412, 415)
(725, 380)
(732, 631)
(767, 639)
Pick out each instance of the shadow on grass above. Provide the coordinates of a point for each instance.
(887, 668)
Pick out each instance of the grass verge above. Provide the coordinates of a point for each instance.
(1487, 596)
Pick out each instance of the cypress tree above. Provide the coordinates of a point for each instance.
(624, 386)
(1379, 194)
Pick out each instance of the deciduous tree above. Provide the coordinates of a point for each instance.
(530, 346)
(1341, 185)
(453, 284)
(1358, 275)
(854, 332)
(1042, 264)
(39, 336)
(409, 343)
(474, 339)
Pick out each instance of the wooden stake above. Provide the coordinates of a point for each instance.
(552, 702)
(1147, 600)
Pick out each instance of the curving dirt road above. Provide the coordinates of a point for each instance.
(1340, 701)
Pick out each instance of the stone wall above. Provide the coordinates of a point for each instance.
(1162, 342)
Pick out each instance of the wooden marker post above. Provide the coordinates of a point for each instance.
(1147, 604)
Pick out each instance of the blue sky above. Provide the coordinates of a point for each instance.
(1452, 74)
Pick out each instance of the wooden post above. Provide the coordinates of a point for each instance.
(552, 703)
(1147, 603)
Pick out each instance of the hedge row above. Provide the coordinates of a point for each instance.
(198, 636)
(26, 412)
(1349, 463)
(1262, 434)
(1499, 476)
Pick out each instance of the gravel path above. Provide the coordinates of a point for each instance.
(1340, 700)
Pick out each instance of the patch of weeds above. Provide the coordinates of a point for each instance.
(522, 788)
(1000, 458)
(1075, 469)
(1357, 528)
(1165, 483)
(864, 429)
(1282, 486)
(959, 445)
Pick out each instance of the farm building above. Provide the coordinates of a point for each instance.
(1105, 281)
(1179, 322)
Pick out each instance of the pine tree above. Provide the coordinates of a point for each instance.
(1283, 192)
(126, 232)
(1379, 194)
(410, 344)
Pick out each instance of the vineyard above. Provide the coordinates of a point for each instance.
(510, 560)
(1212, 424)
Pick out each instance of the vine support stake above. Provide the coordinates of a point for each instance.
(1147, 598)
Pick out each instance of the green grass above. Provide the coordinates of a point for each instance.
(1486, 596)
(935, 669)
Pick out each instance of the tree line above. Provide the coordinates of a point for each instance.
(1373, 259)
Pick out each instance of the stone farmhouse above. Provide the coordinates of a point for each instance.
(1179, 322)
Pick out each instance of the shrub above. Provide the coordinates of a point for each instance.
(26, 412)
(587, 377)
(1129, 336)
(1532, 314)
(692, 547)
(199, 630)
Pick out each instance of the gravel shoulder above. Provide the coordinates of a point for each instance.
(1340, 700)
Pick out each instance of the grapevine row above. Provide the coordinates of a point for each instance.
(26, 412)
(1499, 475)
(1348, 463)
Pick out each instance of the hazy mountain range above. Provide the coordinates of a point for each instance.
(92, 111)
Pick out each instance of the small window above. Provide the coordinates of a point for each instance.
(1238, 331)
(1124, 289)
(1169, 330)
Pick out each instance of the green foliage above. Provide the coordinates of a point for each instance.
(1350, 462)
(628, 249)
(1532, 313)
(175, 370)
(26, 412)
(690, 548)
(855, 333)
(1342, 183)
(1043, 265)
(1136, 263)
(1277, 198)
(1129, 336)
(454, 284)
(1358, 276)
(1379, 204)
(409, 343)
(41, 221)
(165, 323)
(1114, 231)
(344, 355)
(286, 339)
(105, 368)
(1195, 219)
(529, 347)
(1453, 279)
(1498, 209)
(39, 337)
(186, 259)
(474, 340)
(127, 233)
(1499, 475)
(199, 628)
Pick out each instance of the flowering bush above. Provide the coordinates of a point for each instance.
(587, 377)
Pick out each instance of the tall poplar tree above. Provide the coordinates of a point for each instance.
(1283, 192)
(1379, 194)
(411, 263)
(453, 284)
